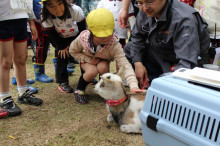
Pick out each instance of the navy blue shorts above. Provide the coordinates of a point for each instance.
(13, 29)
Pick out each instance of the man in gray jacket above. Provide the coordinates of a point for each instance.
(167, 35)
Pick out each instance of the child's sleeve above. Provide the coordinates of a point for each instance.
(121, 60)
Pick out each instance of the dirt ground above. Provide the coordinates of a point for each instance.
(61, 121)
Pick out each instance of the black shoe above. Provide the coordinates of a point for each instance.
(93, 82)
(80, 96)
(9, 105)
(71, 65)
(65, 87)
(29, 98)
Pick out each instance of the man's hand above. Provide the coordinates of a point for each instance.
(64, 53)
(123, 19)
(141, 73)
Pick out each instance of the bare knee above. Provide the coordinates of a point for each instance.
(5, 63)
(90, 73)
(20, 60)
(103, 67)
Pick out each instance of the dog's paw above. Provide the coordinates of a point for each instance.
(110, 118)
(124, 128)
(130, 129)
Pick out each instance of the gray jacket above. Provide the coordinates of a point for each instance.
(178, 37)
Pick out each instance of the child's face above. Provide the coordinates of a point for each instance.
(102, 40)
(56, 7)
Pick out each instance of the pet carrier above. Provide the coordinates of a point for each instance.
(177, 112)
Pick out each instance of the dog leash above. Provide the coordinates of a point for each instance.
(145, 82)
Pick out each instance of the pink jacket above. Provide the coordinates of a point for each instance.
(80, 49)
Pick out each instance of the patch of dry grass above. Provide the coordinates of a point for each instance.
(60, 121)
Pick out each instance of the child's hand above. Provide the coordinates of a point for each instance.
(94, 61)
(64, 53)
(136, 90)
(33, 29)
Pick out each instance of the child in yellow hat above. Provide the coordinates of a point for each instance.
(95, 48)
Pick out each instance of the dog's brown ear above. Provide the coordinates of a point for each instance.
(121, 71)
(107, 80)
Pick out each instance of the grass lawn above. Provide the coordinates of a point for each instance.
(60, 121)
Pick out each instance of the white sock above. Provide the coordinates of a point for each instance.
(4, 95)
(22, 89)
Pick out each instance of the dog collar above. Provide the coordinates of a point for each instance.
(116, 101)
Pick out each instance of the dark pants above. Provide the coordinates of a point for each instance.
(61, 66)
(61, 70)
(42, 44)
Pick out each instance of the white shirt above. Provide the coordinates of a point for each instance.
(6, 12)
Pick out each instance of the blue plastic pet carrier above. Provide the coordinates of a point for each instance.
(178, 113)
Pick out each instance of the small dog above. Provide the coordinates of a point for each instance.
(123, 108)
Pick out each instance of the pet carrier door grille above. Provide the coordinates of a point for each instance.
(196, 122)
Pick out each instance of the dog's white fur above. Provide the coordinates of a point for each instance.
(126, 114)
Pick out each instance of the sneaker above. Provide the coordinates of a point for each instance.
(80, 96)
(65, 87)
(31, 88)
(3, 113)
(93, 82)
(29, 98)
(71, 65)
(70, 71)
(9, 105)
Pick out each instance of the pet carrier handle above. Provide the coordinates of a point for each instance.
(163, 126)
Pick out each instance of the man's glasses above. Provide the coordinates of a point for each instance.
(147, 3)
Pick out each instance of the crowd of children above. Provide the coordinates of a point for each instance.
(93, 38)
